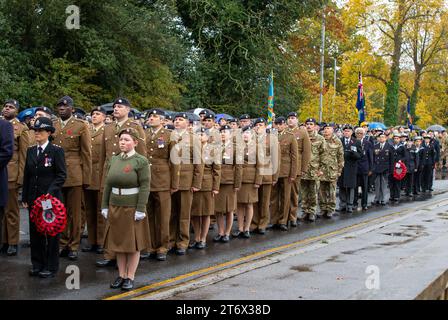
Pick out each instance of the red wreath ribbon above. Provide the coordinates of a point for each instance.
(400, 172)
(37, 216)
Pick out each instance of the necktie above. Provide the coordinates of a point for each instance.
(39, 151)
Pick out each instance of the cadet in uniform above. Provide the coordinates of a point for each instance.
(163, 179)
(268, 161)
(428, 163)
(333, 163)
(303, 161)
(417, 175)
(189, 180)
(92, 195)
(281, 192)
(308, 184)
(251, 182)
(204, 200)
(110, 147)
(231, 177)
(412, 163)
(73, 136)
(126, 192)
(11, 220)
(245, 121)
(398, 154)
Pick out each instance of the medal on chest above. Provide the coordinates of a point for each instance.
(160, 143)
(48, 162)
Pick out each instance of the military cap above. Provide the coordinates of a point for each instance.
(169, 127)
(292, 114)
(280, 120)
(203, 112)
(328, 124)
(418, 138)
(65, 101)
(382, 133)
(427, 137)
(209, 115)
(232, 120)
(181, 115)
(130, 131)
(122, 101)
(44, 109)
(43, 123)
(225, 127)
(347, 127)
(98, 109)
(13, 102)
(246, 128)
(311, 120)
(259, 120)
(245, 117)
(202, 130)
(169, 116)
(156, 111)
(397, 135)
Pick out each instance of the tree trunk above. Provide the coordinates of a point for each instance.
(415, 91)
(393, 85)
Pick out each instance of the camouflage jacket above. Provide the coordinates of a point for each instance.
(318, 148)
(333, 159)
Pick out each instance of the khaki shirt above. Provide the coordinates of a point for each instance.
(17, 163)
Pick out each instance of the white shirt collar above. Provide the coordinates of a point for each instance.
(130, 153)
(44, 146)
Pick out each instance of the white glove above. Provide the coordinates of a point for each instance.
(104, 213)
(139, 215)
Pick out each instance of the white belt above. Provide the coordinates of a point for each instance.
(125, 192)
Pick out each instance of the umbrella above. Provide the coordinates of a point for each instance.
(223, 115)
(26, 113)
(436, 127)
(377, 125)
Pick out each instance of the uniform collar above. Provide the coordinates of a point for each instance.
(120, 124)
(64, 123)
(44, 146)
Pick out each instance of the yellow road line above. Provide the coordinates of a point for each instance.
(250, 257)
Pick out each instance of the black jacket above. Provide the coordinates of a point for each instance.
(45, 174)
(412, 159)
(366, 163)
(6, 150)
(429, 154)
(352, 154)
(382, 158)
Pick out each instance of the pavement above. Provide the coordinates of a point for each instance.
(159, 279)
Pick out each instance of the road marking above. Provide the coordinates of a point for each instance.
(160, 286)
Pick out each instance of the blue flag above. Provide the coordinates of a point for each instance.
(360, 101)
(408, 111)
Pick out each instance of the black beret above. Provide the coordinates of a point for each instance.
(122, 101)
(202, 130)
(66, 101)
(156, 111)
(244, 117)
(232, 120)
(203, 112)
(169, 127)
(280, 120)
(181, 115)
(347, 127)
(259, 120)
(225, 127)
(328, 124)
(209, 115)
(246, 128)
(292, 114)
(98, 109)
(311, 120)
(44, 109)
(13, 103)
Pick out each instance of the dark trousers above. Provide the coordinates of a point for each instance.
(409, 183)
(2, 213)
(395, 188)
(346, 197)
(427, 176)
(44, 250)
(417, 181)
(363, 182)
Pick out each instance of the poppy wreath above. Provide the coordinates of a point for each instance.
(50, 222)
(400, 171)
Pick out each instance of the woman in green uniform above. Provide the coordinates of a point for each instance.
(126, 193)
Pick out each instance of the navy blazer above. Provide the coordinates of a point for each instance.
(44, 174)
(383, 161)
(366, 163)
(6, 151)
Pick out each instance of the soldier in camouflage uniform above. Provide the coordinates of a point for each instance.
(309, 180)
(333, 164)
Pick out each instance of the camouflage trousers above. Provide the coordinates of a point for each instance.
(308, 190)
(327, 196)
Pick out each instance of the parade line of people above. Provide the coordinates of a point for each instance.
(146, 188)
